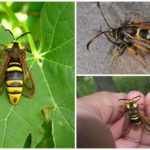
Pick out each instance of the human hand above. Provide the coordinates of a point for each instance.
(105, 106)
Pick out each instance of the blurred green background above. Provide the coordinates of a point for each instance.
(88, 85)
(20, 17)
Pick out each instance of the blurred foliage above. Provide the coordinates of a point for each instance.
(86, 85)
(126, 84)
(28, 14)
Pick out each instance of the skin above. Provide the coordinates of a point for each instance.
(105, 108)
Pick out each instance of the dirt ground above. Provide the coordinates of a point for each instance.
(89, 19)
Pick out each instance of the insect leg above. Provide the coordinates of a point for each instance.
(132, 49)
(142, 48)
(117, 52)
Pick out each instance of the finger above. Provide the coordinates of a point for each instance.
(117, 115)
(147, 105)
(116, 128)
(133, 94)
(121, 143)
(92, 133)
(135, 132)
(146, 135)
(113, 107)
(102, 104)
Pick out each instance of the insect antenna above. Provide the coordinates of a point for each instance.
(98, 5)
(22, 35)
(138, 98)
(99, 33)
(10, 33)
(123, 99)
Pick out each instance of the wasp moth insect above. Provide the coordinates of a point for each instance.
(14, 71)
(133, 36)
(133, 115)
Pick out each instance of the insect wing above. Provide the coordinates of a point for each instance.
(28, 87)
(126, 125)
(143, 25)
(136, 99)
(3, 68)
(142, 31)
(145, 121)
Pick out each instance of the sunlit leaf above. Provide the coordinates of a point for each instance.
(58, 42)
(52, 69)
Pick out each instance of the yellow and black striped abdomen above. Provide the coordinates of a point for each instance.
(135, 119)
(14, 81)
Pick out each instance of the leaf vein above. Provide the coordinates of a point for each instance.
(54, 100)
(56, 48)
(71, 67)
(5, 126)
(55, 27)
(72, 129)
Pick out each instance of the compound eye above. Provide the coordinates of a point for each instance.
(128, 106)
(21, 47)
(135, 105)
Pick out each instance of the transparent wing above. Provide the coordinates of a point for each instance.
(145, 121)
(126, 125)
(28, 87)
(3, 68)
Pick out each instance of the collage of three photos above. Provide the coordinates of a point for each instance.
(74, 75)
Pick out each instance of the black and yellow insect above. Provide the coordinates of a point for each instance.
(133, 36)
(14, 72)
(134, 116)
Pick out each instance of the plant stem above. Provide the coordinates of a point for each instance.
(30, 39)
(10, 13)
(15, 22)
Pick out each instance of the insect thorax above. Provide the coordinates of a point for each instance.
(14, 49)
(119, 33)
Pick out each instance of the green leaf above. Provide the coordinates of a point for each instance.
(58, 45)
(52, 68)
(33, 21)
(7, 38)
